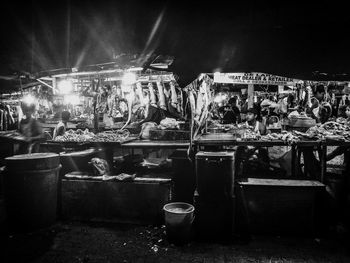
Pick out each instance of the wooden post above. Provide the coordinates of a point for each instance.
(250, 95)
(323, 160)
(294, 160)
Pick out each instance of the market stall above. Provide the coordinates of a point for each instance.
(298, 129)
(135, 119)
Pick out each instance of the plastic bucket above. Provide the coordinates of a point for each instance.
(179, 217)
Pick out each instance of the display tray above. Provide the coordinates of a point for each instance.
(92, 143)
(216, 137)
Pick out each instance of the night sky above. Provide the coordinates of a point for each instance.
(293, 40)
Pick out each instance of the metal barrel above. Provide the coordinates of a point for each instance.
(30, 190)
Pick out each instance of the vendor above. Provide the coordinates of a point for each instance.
(252, 121)
(249, 156)
(31, 129)
(320, 109)
(347, 113)
(61, 127)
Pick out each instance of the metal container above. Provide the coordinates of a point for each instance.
(184, 176)
(215, 174)
(30, 190)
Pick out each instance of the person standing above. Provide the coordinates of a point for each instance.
(320, 109)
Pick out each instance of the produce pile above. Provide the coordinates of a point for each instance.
(86, 136)
(285, 136)
(111, 136)
(250, 135)
(328, 131)
(169, 123)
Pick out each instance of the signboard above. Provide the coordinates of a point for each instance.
(253, 78)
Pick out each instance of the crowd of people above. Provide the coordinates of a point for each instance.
(316, 104)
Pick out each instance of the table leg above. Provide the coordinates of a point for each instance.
(294, 161)
(323, 161)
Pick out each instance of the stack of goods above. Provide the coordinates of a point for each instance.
(327, 131)
(285, 136)
(250, 135)
(76, 136)
(168, 129)
(86, 136)
(110, 136)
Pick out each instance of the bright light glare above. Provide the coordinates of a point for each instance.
(72, 99)
(145, 100)
(126, 88)
(135, 69)
(65, 86)
(130, 96)
(129, 78)
(220, 98)
(28, 99)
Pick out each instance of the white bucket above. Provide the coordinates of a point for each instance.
(179, 217)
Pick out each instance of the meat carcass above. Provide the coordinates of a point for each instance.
(152, 95)
(162, 103)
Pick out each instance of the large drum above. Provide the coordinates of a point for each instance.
(30, 190)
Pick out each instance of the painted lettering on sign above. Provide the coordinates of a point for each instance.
(253, 78)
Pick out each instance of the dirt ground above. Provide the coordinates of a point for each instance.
(87, 242)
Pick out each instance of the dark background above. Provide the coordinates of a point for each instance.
(290, 39)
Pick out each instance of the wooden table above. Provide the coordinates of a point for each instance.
(206, 140)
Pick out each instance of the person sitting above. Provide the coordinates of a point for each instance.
(61, 127)
(252, 121)
(250, 155)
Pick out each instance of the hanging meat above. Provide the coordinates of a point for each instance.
(152, 95)
(143, 100)
(174, 101)
(130, 98)
(162, 103)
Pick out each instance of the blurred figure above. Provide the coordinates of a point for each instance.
(31, 129)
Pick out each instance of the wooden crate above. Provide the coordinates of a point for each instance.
(137, 202)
